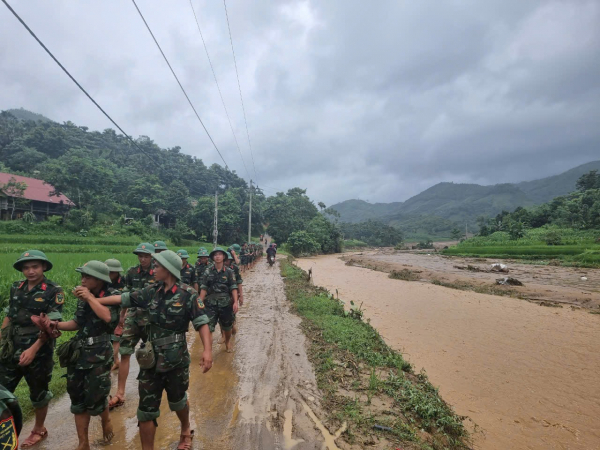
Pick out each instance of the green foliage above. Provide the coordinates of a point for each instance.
(425, 245)
(354, 243)
(373, 233)
(301, 243)
(326, 234)
(287, 213)
(590, 180)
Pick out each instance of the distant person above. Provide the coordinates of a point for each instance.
(271, 253)
(23, 352)
(116, 282)
(160, 246)
(202, 264)
(187, 271)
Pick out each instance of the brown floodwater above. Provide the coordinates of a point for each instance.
(262, 396)
(527, 375)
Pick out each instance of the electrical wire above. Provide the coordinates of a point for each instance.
(240, 89)
(77, 83)
(180, 85)
(219, 89)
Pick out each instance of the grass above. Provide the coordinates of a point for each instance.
(353, 365)
(354, 243)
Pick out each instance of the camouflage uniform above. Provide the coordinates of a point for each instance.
(243, 256)
(88, 377)
(188, 274)
(135, 320)
(219, 306)
(47, 297)
(199, 269)
(118, 285)
(11, 420)
(170, 313)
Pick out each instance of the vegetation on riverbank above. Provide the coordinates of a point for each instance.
(364, 382)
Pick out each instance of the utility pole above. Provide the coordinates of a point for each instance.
(250, 216)
(215, 231)
(466, 230)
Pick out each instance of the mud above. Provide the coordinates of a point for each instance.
(556, 284)
(262, 396)
(527, 375)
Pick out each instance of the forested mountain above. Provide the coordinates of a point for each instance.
(438, 209)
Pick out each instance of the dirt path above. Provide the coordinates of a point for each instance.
(527, 375)
(259, 397)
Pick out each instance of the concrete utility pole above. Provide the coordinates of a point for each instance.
(215, 231)
(250, 216)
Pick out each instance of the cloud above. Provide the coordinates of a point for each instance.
(346, 99)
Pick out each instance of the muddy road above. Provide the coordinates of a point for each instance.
(262, 396)
(526, 374)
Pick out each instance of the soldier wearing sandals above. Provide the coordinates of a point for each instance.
(116, 282)
(88, 355)
(219, 291)
(23, 353)
(135, 320)
(164, 361)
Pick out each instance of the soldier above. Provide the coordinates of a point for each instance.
(220, 291)
(188, 273)
(172, 305)
(230, 262)
(116, 282)
(202, 264)
(88, 355)
(244, 256)
(159, 246)
(23, 353)
(137, 277)
(11, 420)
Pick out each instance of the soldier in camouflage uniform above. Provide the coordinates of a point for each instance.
(159, 246)
(188, 273)
(11, 420)
(238, 280)
(116, 282)
(23, 352)
(172, 305)
(202, 263)
(135, 320)
(244, 256)
(90, 356)
(219, 291)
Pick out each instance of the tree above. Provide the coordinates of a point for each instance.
(15, 190)
(322, 205)
(302, 243)
(286, 213)
(590, 180)
(456, 233)
(326, 234)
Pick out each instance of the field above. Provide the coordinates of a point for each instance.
(66, 253)
(568, 246)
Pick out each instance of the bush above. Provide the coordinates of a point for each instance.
(301, 244)
(553, 238)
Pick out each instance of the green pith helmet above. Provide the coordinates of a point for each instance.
(114, 265)
(229, 256)
(236, 248)
(183, 254)
(202, 252)
(160, 245)
(32, 255)
(144, 247)
(170, 261)
(96, 269)
(218, 249)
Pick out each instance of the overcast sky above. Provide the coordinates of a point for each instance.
(376, 100)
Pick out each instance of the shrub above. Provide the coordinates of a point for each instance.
(301, 243)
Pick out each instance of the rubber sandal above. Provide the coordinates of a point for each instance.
(183, 441)
(42, 434)
(115, 402)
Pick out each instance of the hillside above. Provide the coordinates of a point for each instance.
(23, 114)
(437, 209)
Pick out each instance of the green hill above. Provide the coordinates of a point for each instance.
(438, 209)
(23, 114)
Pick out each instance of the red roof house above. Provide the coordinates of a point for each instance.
(36, 199)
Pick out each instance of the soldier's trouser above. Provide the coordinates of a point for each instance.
(151, 385)
(221, 311)
(88, 389)
(37, 375)
(134, 330)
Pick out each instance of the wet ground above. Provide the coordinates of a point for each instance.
(263, 396)
(526, 374)
(542, 282)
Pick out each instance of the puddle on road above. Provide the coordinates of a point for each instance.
(290, 442)
(329, 439)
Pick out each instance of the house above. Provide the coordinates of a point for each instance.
(34, 198)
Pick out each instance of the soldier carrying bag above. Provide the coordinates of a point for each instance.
(68, 352)
(145, 355)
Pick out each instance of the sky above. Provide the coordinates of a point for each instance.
(348, 99)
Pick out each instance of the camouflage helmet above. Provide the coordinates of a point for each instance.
(218, 249)
(32, 255)
(202, 252)
(144, 247)
(183, 254)
(160, 245)
(114, 265)
(170, 261)
(96, 269)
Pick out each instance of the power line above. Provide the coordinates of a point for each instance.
(178, 82)
(219, 88)
(76, 82)
(240, 88)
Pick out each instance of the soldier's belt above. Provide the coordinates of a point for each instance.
(96, 339)
(27, 330)
(217, 296)
(161, 342)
